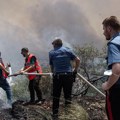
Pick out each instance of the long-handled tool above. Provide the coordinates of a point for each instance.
(80, 76)
(47, 74)
(42, 74)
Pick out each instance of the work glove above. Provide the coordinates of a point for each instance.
(74, 75)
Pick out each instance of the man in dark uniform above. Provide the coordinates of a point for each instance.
(32, 65)
(111, 27)
(60, 61)
(3, 82)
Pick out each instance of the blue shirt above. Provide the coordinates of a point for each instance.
(114, 50)
(60, 58)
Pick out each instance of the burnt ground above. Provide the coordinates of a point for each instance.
(93, 106)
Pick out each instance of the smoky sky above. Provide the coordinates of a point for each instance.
(36, 23)
(62, 19)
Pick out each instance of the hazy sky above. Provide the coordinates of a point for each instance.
(35, 24)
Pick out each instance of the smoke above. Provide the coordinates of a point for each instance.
(35, 24)
(62, 19)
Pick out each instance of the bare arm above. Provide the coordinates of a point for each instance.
(4, 69)
(29, 68)
(77, 63)
(32, 62)
(113, 78)
(26, 70)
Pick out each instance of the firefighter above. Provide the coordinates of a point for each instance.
(60, 61)
(3, 82)
(32, 65)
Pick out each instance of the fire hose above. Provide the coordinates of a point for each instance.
(50, 74)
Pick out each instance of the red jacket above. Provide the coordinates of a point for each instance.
(3, 72)
(37, 67)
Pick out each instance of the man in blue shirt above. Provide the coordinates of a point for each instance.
(111, 27)
(60, 61)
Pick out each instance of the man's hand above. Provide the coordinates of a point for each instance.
(18, 73)
(7, 73)
(105, 86)
(22, 72)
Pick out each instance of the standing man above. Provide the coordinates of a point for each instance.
(3, 82)
(60, 61)
(32, 65)
(111, 28)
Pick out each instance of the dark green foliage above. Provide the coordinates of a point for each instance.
(20, 89)
(92, 66)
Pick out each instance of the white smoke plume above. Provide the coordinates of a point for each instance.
(35, 24)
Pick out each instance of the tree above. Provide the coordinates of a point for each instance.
(92, 66)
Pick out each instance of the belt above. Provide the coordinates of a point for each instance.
(64, 73)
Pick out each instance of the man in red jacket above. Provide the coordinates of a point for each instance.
(3, 82)
(32, 65)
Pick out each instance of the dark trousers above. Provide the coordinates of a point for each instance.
(34, 87)
(59, 82)
(113, 103)
(5, 86)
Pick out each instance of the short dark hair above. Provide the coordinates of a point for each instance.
(57, 42)
(25, 49)
(113, 22)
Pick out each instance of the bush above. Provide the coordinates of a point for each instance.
(20, 89)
